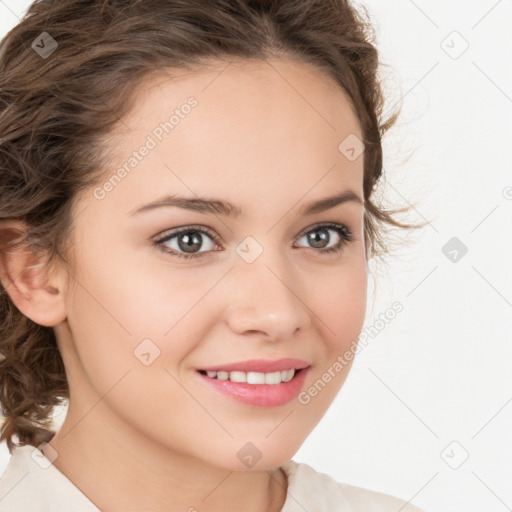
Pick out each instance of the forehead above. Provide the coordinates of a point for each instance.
(257, 127)
(276, 84)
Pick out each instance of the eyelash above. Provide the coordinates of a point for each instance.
(346, 236)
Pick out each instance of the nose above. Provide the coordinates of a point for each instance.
(267, 298)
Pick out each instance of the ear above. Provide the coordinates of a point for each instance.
(38, 296)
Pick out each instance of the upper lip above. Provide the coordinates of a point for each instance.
(260, 365)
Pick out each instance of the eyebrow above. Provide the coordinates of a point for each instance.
(220, 207)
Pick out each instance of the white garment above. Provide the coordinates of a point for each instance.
(31, 483)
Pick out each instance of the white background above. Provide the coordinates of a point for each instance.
(434, 386)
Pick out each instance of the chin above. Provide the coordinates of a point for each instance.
(257, 455)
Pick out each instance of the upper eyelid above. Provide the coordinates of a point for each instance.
(170, 233)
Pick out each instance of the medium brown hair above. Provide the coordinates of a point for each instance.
(56, 113)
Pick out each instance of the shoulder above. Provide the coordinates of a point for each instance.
(31, 482)
(319, 491)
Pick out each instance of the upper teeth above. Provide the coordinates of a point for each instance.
(254, 377)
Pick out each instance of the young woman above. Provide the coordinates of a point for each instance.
(186, 219)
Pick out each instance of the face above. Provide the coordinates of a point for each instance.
(264, 280)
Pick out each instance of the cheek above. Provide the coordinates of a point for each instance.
(119, 327)
(141, 319)
(341, 311)
(131, 300)
(340, 306)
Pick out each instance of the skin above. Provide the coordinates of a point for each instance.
(264, 136)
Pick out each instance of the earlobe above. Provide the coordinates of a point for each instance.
(25, 278)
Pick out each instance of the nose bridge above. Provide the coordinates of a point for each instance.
(264, 293)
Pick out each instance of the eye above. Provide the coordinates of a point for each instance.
(188, 239)
(319, 237)
(185, 242)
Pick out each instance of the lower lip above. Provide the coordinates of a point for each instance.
(260, 395)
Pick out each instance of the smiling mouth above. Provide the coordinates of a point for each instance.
(257, 389)
(256, 378)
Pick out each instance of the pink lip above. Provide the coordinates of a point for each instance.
(260, 365)
(260, 395)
